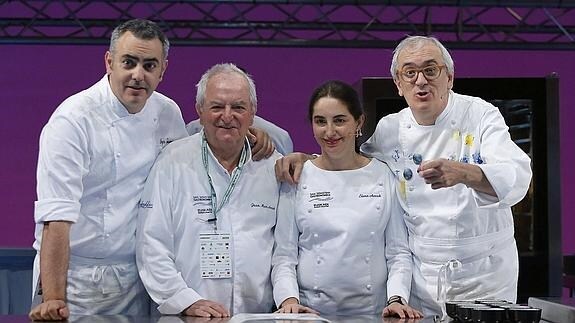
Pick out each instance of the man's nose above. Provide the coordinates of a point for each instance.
(227, 113)
(420, 78)
(138, 73)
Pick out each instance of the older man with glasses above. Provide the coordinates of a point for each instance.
(459, 173)
(458, 210)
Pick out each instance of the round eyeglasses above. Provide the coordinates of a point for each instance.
(430, 72)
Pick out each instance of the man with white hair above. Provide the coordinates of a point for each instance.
(459, 173)
(205, 226)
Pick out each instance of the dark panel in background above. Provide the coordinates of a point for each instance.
(530, 107)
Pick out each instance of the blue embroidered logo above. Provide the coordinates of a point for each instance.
(477, 158)
(395, 155)
(146, 204)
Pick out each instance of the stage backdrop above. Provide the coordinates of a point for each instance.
(35, 79)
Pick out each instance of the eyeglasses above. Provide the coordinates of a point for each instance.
(430, 72)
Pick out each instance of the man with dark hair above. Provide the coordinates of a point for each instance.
(95, 154)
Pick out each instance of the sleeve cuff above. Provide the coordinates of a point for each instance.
(56, 210)
(283, 291)
(179, 302)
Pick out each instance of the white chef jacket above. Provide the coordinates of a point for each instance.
(460, 238)
(279, 136)
(93, 161)
(175, 208)
(341, 238)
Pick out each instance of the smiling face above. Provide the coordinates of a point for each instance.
(427, 99)
(135, 69)
(227, 111)
(334, 128)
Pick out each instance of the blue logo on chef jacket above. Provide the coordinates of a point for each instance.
(320, 199)
(477, 158)
(145, 204)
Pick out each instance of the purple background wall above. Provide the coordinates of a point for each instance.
(35, 79)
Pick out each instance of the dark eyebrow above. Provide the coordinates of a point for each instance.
(137, 58)
(334, 117)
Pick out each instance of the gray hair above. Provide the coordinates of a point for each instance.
(416, 42)
(142, 29)
(224, 68)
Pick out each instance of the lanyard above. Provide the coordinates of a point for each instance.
(234, 180)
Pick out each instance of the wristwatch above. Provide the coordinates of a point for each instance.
(395, 299)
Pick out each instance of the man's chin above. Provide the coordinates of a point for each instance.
(135, 104)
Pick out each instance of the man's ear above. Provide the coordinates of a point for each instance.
(199, 112)
(398, 85)
(108, 62)
(164, 68)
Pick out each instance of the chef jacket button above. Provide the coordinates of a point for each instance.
(318, 261)
(308, 210)
(380, 183)
(368, 286)
(317, 295)
(367, 260)
(407, 174)
(304, 187)
(118, 154)
(411, 188)
(408, 126)
(377, 207)
(315, 235)
(453, 122)
(372, 233)
(315, 288)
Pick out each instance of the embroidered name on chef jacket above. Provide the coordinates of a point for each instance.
(370, 195)
(165, 141)
(262, 205)
(320, 199)
(215, 255)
